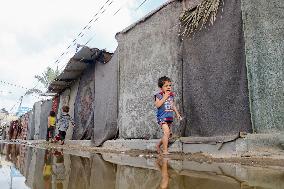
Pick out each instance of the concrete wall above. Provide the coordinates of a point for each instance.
(264, 42)
(147, 51)
(105, 112)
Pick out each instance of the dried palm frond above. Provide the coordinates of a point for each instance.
(196, 17)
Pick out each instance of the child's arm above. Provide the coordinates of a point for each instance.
(72, 121)
(177, 113)
(48, 122)
(159, 102)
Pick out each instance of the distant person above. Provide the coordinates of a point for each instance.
(164, 101)
(63, 124)
(51, 126)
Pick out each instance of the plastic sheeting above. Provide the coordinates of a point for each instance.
(105, 116)
(64, 101)
(264, 36)
(214, 77)
(73, 94)
(37, 110)
(46, 107)
(31, 125)
(84, 105)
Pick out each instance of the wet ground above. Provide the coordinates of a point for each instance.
(36, 168)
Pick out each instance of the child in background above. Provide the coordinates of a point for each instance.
(63, 124)
(51, 125)
(164, 101)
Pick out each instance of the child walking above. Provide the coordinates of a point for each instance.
(164, 101)
(51, 125)
(63, 124)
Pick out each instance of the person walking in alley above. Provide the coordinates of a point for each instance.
(164, 101)
(63, 124)
(51, 126)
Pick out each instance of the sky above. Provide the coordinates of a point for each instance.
(35, 33)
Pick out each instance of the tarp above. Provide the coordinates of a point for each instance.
(63, 101)
(215, 93)
(73, 94)
(37, 110)
(264, 36)
(31, 125)
(105, 116)
(84, 105)
(46, 107)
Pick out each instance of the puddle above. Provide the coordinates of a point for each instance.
(24, 167)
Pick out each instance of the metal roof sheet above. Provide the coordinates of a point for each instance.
(75, 67)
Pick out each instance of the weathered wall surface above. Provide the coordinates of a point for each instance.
(264, 41)
(146, 52)
(73, 94)
(37, 111)
(215, 90)
(46, 107)
(105, 111)
(63, 101)
(31, 126)
(84, 105)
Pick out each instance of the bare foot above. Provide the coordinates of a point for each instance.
(166, 153)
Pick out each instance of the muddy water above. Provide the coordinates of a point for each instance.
(25, 167)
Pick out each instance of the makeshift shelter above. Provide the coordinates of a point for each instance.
(208, 70)
(76, 88)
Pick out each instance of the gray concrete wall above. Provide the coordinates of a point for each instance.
(264, 42)
(147, 51)
(105, 112)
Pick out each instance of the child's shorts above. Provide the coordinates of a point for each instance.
(164, 120)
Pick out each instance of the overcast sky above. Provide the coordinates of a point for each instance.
(34, 33)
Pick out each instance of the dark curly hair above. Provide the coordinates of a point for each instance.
(52, 113)
(162, 80)
(65, 109)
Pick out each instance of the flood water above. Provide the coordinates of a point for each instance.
(23, 167)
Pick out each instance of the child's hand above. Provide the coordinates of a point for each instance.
(179, 117)
(166, 95)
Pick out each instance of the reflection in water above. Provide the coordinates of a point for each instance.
(162, 164)
(59, 169)
(47, 169)
(53, 169)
